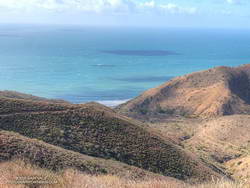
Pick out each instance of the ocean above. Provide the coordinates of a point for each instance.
(107, 64)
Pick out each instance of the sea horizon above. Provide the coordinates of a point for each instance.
(110, 65)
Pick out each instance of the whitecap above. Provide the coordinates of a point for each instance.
(113, 103)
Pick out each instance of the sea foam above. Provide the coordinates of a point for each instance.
(113, 103)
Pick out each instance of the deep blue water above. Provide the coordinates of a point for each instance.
(82, 64)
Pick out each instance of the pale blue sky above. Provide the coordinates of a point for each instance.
(155, 13)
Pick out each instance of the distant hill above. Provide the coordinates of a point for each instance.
(214, 92)
(97, 131)
(14, 102)
(17, 95)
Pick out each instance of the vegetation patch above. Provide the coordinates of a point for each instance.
(102, 133)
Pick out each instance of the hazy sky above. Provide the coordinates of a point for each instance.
(163, 13)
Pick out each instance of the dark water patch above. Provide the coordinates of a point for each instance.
(145, 79)
(140, 52)
(102, 65)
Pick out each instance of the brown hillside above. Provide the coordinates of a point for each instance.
(97, 132)
(75, 179)
(226, 141)
(240, 168)
(14, 146)
(17, 95)
(14, 102)
(223, 143)
(72, 178)
(214, 92)
(224, 138)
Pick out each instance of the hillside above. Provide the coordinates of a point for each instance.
(14, 146)
(226, 141)
(214, 92)
(221, 142)
(239, 168)
(224, 137)
(13, 102)
(98, 132)
(17, 95)
(71, 178)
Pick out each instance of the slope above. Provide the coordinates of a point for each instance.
(98, 132)
(214, 92)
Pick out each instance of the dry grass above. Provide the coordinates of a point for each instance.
(214, 92)
(98, 132)
(47, 156)
(13, 173)
(222, 142)
(9, 171)
(240, 168)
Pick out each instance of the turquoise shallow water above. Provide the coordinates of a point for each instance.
(82, 64)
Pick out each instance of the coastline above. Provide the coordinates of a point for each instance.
(112, 103)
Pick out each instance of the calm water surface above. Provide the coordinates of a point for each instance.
(81, 64)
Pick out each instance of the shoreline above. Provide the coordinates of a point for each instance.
(112, 103)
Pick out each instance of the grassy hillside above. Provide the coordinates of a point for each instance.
(12, 105)
(221, 142)
(97, 132)
(214, 92)
(14, 146)
(75, 179)
(225, 140)
(224, 137)
(240, 168)
(17, 95)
